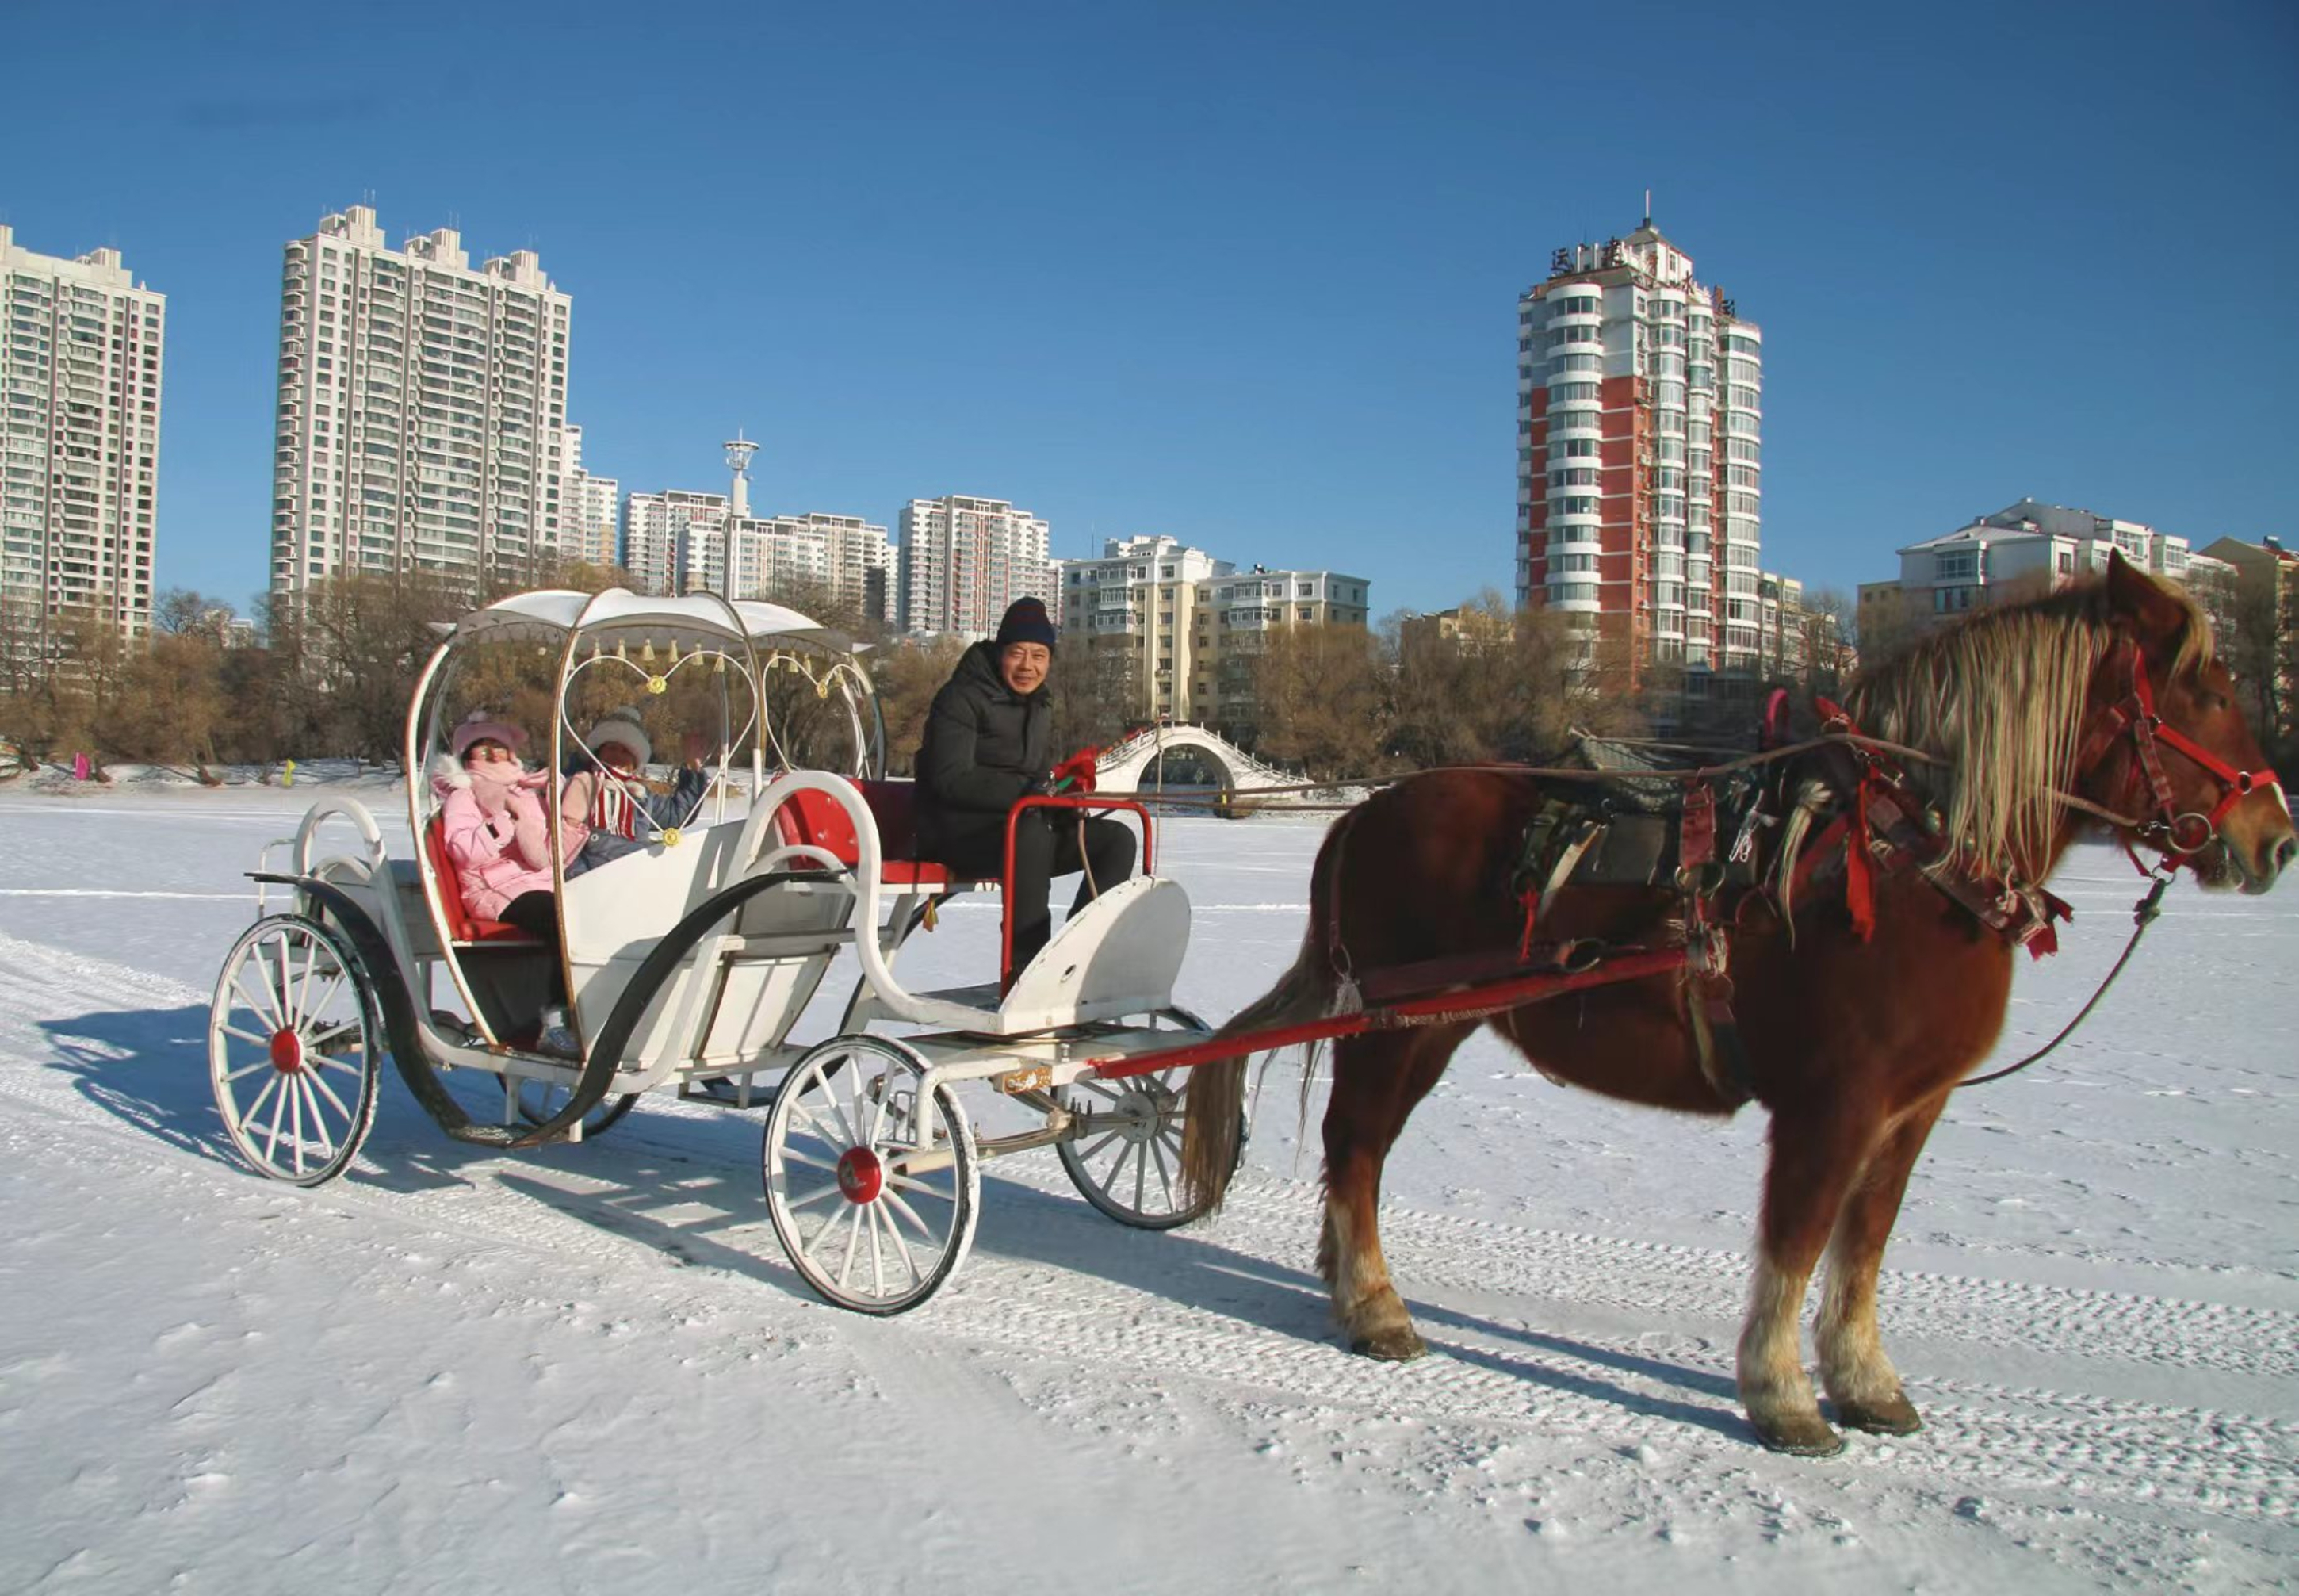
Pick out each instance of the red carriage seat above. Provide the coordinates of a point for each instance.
(462, 925)
(815, 819)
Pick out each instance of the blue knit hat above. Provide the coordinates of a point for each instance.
(1025, 622)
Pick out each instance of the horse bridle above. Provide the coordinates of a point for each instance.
(2179, 834)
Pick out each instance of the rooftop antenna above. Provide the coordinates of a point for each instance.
(1647, 207)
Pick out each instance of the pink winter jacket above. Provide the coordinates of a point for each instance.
(496, 857)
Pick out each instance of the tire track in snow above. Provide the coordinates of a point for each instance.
(1606, 1388)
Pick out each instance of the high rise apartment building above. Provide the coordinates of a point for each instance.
(422, 409)
(80, 440)
(845, 556)
(588, 506)
(1187, 625)
(1639, 433)
(964, 559)
(676, 541)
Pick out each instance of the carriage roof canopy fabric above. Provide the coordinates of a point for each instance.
(550, 613)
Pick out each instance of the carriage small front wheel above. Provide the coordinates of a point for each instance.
(873, 1186)
(294, 1050)
(1124, 1150)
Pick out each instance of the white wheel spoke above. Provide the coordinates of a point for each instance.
(321, 1088)
(231, 1030)
(853, 1247)
(817, 1243)
(346, 1065)
(807, 1160)
(233, 1075)
(295, 1121)
(257, 1107)
(920, 1185)
(271, 1138)
(925, 1231)
(1141, 1178)
(310, 962)
(262, 1006)
(319, 1118)
(801, 1120)
(837, 1109)
(1165, 1181)
(1088, 1154)
(335, 986)
(902, 1247)
(286, 987)
(877, 1258)
(819, 1195)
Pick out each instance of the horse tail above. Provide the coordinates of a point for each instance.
(1213, 1109)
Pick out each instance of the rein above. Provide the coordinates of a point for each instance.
(2143, 914)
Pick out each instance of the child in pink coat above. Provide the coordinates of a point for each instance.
(499, 840)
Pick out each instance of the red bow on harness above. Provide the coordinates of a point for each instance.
(1075, 773)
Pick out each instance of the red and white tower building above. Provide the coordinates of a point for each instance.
(1639, 469)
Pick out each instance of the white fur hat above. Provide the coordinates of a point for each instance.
(620, 727)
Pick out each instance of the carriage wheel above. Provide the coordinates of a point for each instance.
(873, 1191)
(294, 1050)
(538, 1101)
(1123, 1151)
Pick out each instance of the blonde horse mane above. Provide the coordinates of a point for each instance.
(2000, 698)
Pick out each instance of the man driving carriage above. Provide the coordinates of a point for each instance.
(986, 747)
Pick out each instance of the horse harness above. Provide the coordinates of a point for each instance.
(1661, 830)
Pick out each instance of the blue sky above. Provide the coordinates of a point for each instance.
(1243, 274)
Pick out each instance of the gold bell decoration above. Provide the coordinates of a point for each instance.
(718, 665)
(619, 654)
(674, 650)
(594, 648)
(646, 653)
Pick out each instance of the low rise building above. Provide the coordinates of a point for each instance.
(1182, 627)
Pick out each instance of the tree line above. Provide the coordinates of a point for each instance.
(326, 673)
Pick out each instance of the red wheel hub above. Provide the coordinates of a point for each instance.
(287, 1052)
(860, 1175)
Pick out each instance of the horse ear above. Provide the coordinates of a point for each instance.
(2131, 593)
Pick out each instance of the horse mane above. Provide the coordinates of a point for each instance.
(1999, 697)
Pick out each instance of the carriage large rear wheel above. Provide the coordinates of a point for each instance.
(295, 1049)
(873, 1189)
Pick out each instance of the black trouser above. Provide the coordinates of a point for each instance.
(537, 914)
(1046, 844)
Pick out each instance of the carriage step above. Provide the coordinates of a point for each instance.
(726, 1093)
(982, 995)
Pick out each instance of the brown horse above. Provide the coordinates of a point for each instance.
(1853, 1044)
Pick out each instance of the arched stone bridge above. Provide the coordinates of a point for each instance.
(1126, 767)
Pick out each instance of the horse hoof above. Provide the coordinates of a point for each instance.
(1799, 1435)
(1894, 1416)
(1399, 1345)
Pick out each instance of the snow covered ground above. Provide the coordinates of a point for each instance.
(588, 1367)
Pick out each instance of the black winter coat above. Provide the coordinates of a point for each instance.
(984, 747)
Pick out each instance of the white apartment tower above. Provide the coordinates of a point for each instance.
(676, 541)
(588, 507)
(843, 555)
(1639, 445)
(964, 559)
(422, 406)
(80, 440)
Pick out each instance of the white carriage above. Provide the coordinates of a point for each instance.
(692, 965)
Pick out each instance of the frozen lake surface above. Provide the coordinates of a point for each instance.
(589, 1367)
